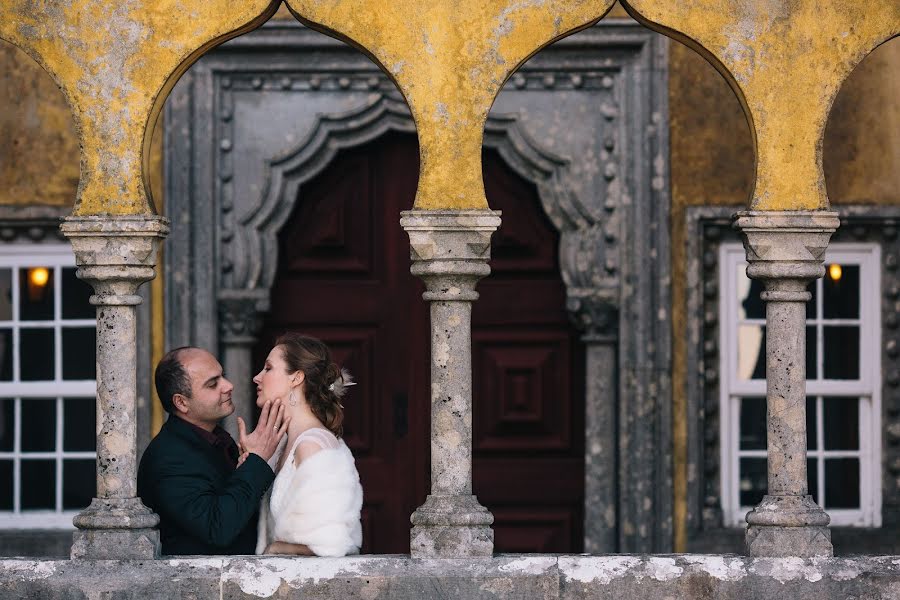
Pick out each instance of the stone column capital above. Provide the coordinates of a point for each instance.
(450, 249)
(594, 311)
(786, 245)
(115, 254)
(240, 315)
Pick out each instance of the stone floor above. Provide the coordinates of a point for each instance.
(613, 577)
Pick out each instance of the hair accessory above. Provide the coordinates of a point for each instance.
(339, 386)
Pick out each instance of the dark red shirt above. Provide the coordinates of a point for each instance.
(219, 439)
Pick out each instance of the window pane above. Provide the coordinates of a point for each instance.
(840, 292)
(753, 424)
(6, 355)
(842, 352)
(751, 306)
(812, 478)
(753, 482)
(79, 347)
(38, 424)
(36, 294)
(6, 485)
(79, 425)
(7, 425)
(38, 484)
(842, 483)
(36, 354)
(6, 295)
(75, 297)
(811, 423)
(751, 352)
(79, 483)
(841, 423)
(811, 342)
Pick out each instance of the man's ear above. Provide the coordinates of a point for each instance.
(180, 402)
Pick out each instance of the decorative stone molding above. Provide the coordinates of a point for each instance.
(115, 255)
(450, 252)
(786, 250)
(31, 223)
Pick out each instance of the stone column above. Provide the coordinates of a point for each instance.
(115, 255)
(597, 314)
(239, 324)
(450, 251)
(786, 250)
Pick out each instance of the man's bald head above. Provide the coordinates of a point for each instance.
(171, 376)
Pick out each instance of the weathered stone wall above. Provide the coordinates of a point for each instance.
(39, 150)
(38, 145)
(673, 577)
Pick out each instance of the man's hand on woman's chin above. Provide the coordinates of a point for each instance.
(263, 441)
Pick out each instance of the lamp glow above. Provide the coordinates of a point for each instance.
(39, 276)
(835, 272)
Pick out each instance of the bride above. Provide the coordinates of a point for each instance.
(313, 507)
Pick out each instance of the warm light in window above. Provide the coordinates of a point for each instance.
(835, 272)
(39, 276)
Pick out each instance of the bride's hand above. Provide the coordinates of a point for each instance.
(272, 426)
(287, 548)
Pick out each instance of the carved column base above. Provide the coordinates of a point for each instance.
(788, 526)
(455, 526)
(116, 544)
(116, 528)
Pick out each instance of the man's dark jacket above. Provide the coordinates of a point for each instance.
(204, 505)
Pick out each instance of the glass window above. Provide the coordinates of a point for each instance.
(47, 387)
(843, 386)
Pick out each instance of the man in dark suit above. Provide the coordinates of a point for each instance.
(189, 474)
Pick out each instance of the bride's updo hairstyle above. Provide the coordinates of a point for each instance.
(307, 354)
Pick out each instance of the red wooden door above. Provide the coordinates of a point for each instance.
(344, 277)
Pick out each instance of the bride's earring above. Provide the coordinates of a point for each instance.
(292, 400)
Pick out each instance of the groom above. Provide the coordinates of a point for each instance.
(189, 474)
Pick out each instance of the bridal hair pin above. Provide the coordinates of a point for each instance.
(339, 386)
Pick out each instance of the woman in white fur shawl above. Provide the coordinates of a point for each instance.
(313, 507)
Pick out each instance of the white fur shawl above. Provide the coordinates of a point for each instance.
(317, 504)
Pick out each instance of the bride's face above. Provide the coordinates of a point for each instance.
(274, 382)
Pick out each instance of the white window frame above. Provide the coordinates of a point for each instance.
(732, 260)
(56, 256)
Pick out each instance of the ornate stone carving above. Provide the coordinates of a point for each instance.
(240, 315)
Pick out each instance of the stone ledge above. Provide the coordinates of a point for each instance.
(612, 577)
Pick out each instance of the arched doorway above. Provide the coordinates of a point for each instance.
(343, 275)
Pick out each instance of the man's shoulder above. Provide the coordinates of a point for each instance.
(172, 439)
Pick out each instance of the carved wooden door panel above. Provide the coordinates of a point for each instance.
(528, 377)
(343, 276)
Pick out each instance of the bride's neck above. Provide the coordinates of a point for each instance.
(302, 418)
